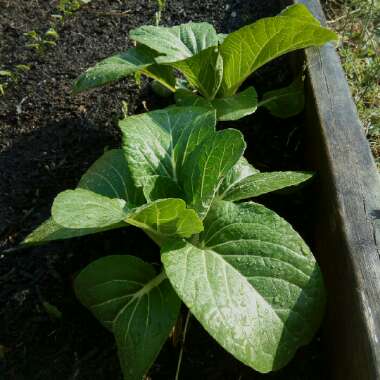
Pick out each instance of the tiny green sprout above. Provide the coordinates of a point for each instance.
(161, 7)
(52, 33)
(137, 76)
(68, 7)
(40, 42)
(9, 75)
(6, 73)
(33, 35)
(57, 17)
(49, 42)
(2, 89)
(124, 108)
(22, 67)
(36, 42)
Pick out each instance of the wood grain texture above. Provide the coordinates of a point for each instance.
(348, 218)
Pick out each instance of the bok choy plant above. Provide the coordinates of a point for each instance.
(216, 65)
(242, 271)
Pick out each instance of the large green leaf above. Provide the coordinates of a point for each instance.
(302, 13)
(237, 173)
(132, 301)
(191, 48)
(237, 106)
(176, 43)
(181, 143)
(162, 219)
(250, 47)
(50, 230)
(203, 71)
(166, 218)
(229, 108)
(185, 98)
(159, 187)
(162, 74)
(242, 183)
(285, 102)
(120, 65)
(158, 143)
(251, 282)
(108, 176)
(208, 165)
(82, 208)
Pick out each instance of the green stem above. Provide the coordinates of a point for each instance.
(182, 344)
(263, 102)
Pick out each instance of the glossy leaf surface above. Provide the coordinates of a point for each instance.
(203, 71)
(176, 43)
(160, 142)
(160, 187)
(82, 208)
(229, 108)
(191, 48)
(181, 143)
(244, 185)
(166, 218)
(208, 165)
(108, 176)
(120, 65)
(250, 47)
(50, 230)
(251, 282)
(237, 173)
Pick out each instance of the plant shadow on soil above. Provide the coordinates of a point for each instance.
(48, 138)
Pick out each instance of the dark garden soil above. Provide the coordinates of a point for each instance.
(48, 138)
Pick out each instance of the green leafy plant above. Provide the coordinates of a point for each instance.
(8, 76)
(161, 7)
(11, 76)
(242, 270)
(39, 42)
(68, 7)
(216, 65)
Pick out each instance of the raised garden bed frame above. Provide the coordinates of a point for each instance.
(348, 211)
(348, 206)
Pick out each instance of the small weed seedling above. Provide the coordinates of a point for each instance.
(243, 272)
(39, 42)
(161, 7)
(216, 65)
(68, 7)
(11, 76)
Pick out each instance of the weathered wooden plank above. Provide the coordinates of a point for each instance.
(348, 219)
